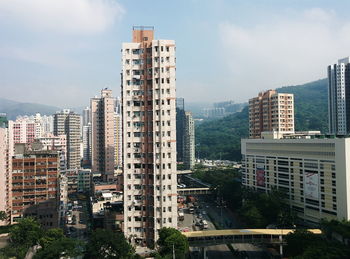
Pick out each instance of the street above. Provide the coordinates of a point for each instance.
(78, 228)
(224, 219)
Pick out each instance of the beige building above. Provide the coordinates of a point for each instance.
(314, 172)
(102, 134)
(149, 136)
(118, 139)
(6, 152)
(271, 111)
(67, 123)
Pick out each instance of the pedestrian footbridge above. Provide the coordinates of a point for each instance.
(230, 236)
(193, 191)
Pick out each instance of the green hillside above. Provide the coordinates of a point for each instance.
(222, 138)
(13, 108)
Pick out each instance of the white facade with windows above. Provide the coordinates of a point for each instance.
(149, 137)
(339, 97)
(314, 172)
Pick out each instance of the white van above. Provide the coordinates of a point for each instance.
(205, 224)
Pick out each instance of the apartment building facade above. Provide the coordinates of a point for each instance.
(35, 185)
(180, 129)
(339, 97)
(118, 139)
(24, 130)
(271, 111)
(102, 134)
(189, 142)
(57, 143)
(6, 150)
(149, 136)
(68, 123)
(315, 173)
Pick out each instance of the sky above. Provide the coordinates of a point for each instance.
(63, 52)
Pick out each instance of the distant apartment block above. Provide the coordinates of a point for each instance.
(103, 134)
(313, 172)
(118, 140)
(214, 112)
(86, 118)
(49, 141)
(189, 142)
(24, 130)
(67, 123)
(185, 142)
(180, 129)
(87, 145)
(86, 135)
(271, 111)
(339, 97)
(149, 136)
(35, 186)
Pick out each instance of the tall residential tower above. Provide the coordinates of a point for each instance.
(149, 136)
(271, 111)
(189, 142)
(339, 97)
(103, 137)
(67, 123)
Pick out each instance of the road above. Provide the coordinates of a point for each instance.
(227, 220)
(79, 229)
(218, 251)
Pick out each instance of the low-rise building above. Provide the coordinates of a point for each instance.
(107, 209)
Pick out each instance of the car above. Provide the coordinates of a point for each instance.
(204, 212)
(198, 223)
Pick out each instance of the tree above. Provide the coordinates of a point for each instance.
(171, 239)
(305, 245)
(23, 235)
(56, 248)
(52, 243)
(251, 215)
(26, 233)
(3, 215)
(106, 244)
(50, 236)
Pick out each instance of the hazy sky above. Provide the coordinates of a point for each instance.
(62, 52)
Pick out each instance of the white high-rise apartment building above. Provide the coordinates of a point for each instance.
(339, 97)
(189, 143)
(68, 123)
(149, 136)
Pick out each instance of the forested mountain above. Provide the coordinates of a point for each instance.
(222, 138)
(13, 108)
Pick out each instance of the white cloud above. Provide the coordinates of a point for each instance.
(42, 57)
(68, 16)
(292, 51)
